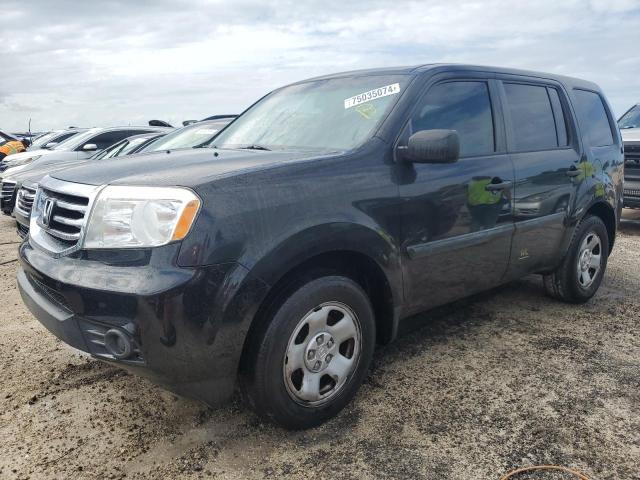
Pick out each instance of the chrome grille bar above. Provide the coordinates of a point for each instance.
(24, 201)
(59, 228)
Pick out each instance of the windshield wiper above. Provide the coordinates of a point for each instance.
(627, 126)
(255, 146)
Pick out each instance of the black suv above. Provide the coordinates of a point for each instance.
(279, 254)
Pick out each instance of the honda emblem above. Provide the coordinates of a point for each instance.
(47, 211)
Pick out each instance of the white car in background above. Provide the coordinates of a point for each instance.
(77, 148)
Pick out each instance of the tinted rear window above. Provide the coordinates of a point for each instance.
(593, 119)
(532, 121)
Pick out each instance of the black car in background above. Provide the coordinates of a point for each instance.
(276, 256)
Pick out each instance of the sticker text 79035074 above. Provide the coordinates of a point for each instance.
(372, 95)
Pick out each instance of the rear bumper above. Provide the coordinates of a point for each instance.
(176, 320)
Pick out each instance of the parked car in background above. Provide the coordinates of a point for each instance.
(26, 182)
(313, 224)
(629, 125)
(128, 146)
(30, 153)
(80, 147)
(230, 117)
(51, 139)
(630, 119)
(74, 151)
(6, 137)
(26, 192)
(193, 135)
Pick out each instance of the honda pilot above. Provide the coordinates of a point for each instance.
(277, 256)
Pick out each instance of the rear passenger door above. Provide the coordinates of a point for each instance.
(456, 218)
(602, 147)
(543, 144)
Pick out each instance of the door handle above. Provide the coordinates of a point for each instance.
(492, 187)
(573, 172)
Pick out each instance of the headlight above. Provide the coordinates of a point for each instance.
(140, 216)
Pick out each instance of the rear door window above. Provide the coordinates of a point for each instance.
(532, 121)
(561, 118)
(593, 119)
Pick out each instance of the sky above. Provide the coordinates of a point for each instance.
(101, 63)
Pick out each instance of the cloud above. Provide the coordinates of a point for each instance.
(118, 62)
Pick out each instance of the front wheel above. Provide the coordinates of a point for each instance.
(310, 357)
(579, 275)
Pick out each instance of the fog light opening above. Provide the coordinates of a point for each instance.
(118, 344)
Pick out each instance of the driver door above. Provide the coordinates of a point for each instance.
(457, 221)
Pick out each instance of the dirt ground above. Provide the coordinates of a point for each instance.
(505, 379)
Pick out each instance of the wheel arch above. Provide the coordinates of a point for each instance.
(606, 213)
(362, 254)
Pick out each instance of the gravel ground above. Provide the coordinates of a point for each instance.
(508, 378)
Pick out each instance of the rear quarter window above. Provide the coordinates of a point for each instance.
(593, 119)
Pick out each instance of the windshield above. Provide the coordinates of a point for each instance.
(111, 151)
(187, 137)
(333, 114)
(44, 139)
(76, 140)
(631, 119)
(124, 147)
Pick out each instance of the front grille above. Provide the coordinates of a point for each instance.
(24, 200)
(7, 188)
(632, 154)
(23, 230)
(66, 217)
(631, 192)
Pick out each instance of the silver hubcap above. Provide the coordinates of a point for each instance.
(322, 353)
(589, 259)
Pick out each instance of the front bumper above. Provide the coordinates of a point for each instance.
(22, 224)
(177, 320)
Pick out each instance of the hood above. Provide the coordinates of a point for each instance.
(630, 134)
(29, 153)
(187, 168)
(50, 162)
(38, 172)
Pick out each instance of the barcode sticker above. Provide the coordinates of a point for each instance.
(380, 92)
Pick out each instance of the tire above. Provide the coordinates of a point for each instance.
(320, 332)
(578, 277)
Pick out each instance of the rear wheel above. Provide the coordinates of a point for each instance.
(312, 353)
(579, 275)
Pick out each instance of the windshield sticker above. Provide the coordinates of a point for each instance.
(366, 110)
(385, 91)
(206, 131)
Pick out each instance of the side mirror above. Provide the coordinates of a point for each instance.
(90, 147)
(432, 146)
(50, 145)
